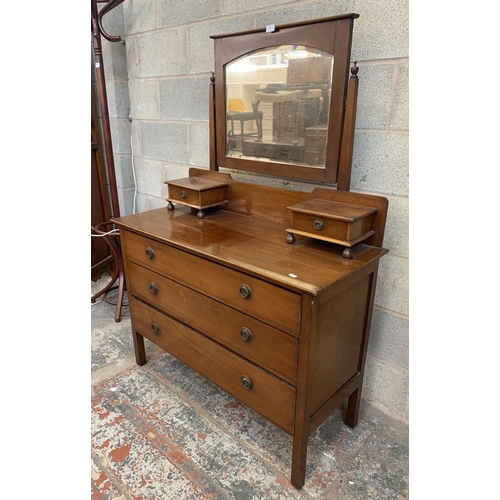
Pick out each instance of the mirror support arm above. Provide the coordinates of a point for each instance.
(212, 127)
(347, 145)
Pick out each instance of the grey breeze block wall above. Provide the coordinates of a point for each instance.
(168, 55)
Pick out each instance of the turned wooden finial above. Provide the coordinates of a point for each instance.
(354, 70)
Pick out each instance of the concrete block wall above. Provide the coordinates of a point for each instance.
(168, 60)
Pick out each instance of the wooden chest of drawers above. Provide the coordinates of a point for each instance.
(284, 328)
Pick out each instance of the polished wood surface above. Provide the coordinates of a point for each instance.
(284, 328)
(347, 145)
(332, 35)
(268, 302)
(333, 210)
(268, 395)
(308, 312)
(326, 220)
(101, 258)
(230, 298)
(196, 183)
(271, 203)
(196, 192)
(254, 246)
(334, 351)
(267, 346)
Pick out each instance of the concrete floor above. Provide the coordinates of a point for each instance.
(161, 431)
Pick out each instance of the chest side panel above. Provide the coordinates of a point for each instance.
(337, 342)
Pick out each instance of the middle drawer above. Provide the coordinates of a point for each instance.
(266, 346)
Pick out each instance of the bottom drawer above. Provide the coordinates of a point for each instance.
(264, 393)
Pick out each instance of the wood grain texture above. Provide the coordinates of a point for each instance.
(247, 244)
(274, 305)
(336, 346)
(268, 396)
(333, 210)
(271, 203)
(300, 436)
(306, 289)
(347, 145)
(333, 36)
(270, 348)
(282, 327)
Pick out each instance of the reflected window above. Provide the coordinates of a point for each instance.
(277, 105)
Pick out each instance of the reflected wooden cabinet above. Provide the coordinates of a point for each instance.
(269, 292)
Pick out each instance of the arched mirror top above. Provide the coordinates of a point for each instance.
(279, 99)
(277, 105)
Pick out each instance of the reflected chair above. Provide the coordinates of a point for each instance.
(236, 111)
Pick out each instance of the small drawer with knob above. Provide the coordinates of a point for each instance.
(336, 222)
(262, 344)
(262, 391)
(196, 192)
(267, 302)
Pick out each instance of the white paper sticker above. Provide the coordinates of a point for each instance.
(97, 65)
(270, 28)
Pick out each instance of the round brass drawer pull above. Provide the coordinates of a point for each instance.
(183, 194)
(246, 382)
(153, 288)
(150, 253)
(246, 334)
(155, 328)
(245, 292)
(318, 224)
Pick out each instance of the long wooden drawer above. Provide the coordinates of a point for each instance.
(270, 303)
(266, 394)
(264, 345)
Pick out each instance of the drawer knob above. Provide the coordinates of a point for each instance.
(155, 328)
(246, 382)
(245, 292)
(153, 288)
(246, 334)
(150, 253)
(318, 224)
(183, 194)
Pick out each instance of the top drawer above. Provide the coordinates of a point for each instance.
(269, 303)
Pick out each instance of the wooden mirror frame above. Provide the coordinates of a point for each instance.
(332, 35)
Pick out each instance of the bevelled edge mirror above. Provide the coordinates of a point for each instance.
(279, 99)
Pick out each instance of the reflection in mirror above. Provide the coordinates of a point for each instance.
(278, 103)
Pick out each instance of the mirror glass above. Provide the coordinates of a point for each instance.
(278, 104)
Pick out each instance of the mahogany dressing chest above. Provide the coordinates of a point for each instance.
(281, 323)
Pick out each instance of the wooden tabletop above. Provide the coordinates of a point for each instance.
(252, 245)
(196, 183)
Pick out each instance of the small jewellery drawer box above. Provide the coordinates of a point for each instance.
(196, 192)
(336, 222)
